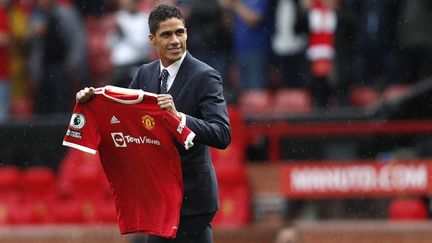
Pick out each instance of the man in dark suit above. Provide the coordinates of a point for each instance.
(192, 91)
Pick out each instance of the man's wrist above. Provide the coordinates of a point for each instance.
(182, 118)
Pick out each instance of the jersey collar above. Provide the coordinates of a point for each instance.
(140, 93)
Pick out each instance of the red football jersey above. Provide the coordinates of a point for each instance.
(135, 141)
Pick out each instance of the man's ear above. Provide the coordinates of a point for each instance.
(185, 33)
(151, 38)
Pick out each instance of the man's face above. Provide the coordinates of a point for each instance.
(170, 40)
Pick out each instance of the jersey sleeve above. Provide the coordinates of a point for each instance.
(82, 132)
(179, 130)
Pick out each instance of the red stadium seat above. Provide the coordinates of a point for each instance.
(233, 184)
(255, 102)
(394, 91)
(292, 101)
(230, 162)
(39, 187)
(236, 118)
(39, 183)
(230, 158)
(85, 189)
(234, 155)
(363, 96)
(97, 29)
(21, 108)
(10, 193)
(235, 208)
(84, 210)
(408, 209)
(75, 211)
(230, 166)
(10, 179)
(81, 175)
(32, 212)
(99, 55)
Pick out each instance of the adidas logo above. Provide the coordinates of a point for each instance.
(114, 120)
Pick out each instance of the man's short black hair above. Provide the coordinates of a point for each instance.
(161, 13)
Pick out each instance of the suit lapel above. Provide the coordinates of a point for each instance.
(181, 76)
(154, 83)
(150, 81)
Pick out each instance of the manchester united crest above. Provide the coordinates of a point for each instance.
(148, 122)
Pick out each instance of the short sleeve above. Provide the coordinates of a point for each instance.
(82, 132)
(179, 130)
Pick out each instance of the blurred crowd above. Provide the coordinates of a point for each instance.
(51, 48)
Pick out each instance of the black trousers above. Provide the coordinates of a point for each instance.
(192, 229)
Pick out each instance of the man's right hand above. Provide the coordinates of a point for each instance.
(85, 94)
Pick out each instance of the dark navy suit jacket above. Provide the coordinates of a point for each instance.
(197, 92)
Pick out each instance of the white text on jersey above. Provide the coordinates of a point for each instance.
(121, 140)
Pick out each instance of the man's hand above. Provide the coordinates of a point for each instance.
(166, 102)
(85, 94)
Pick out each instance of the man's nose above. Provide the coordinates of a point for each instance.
(174, 39)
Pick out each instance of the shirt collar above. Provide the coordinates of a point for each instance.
(173, 68)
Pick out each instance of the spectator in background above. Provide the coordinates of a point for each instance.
(319, 19)
(344, 48)
(253, 27)
(415, 39)
(92, 7)
(20, 89)
(210, 38)
(5, 60)
(129, 42)
(58, 55)
(375, 43)
(287, 62)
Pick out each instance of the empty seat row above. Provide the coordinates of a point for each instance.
(367, 96)
(299, 101)
(78, 193)
(284, 101)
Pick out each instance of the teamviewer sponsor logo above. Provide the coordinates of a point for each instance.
(119, 140)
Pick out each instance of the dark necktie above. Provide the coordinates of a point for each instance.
(164, 81)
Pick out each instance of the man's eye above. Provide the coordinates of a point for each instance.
(180, 32)
(165, 34)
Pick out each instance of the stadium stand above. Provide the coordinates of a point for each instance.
(97, 28)
(250, 200)
(292, 101)
(49, 194)
(10, 184)
(410, 102)
(84, 188)
(39, 192)
(395, 91)
(233, 182)
(255, 103)
(363, 96)
(408, 209)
